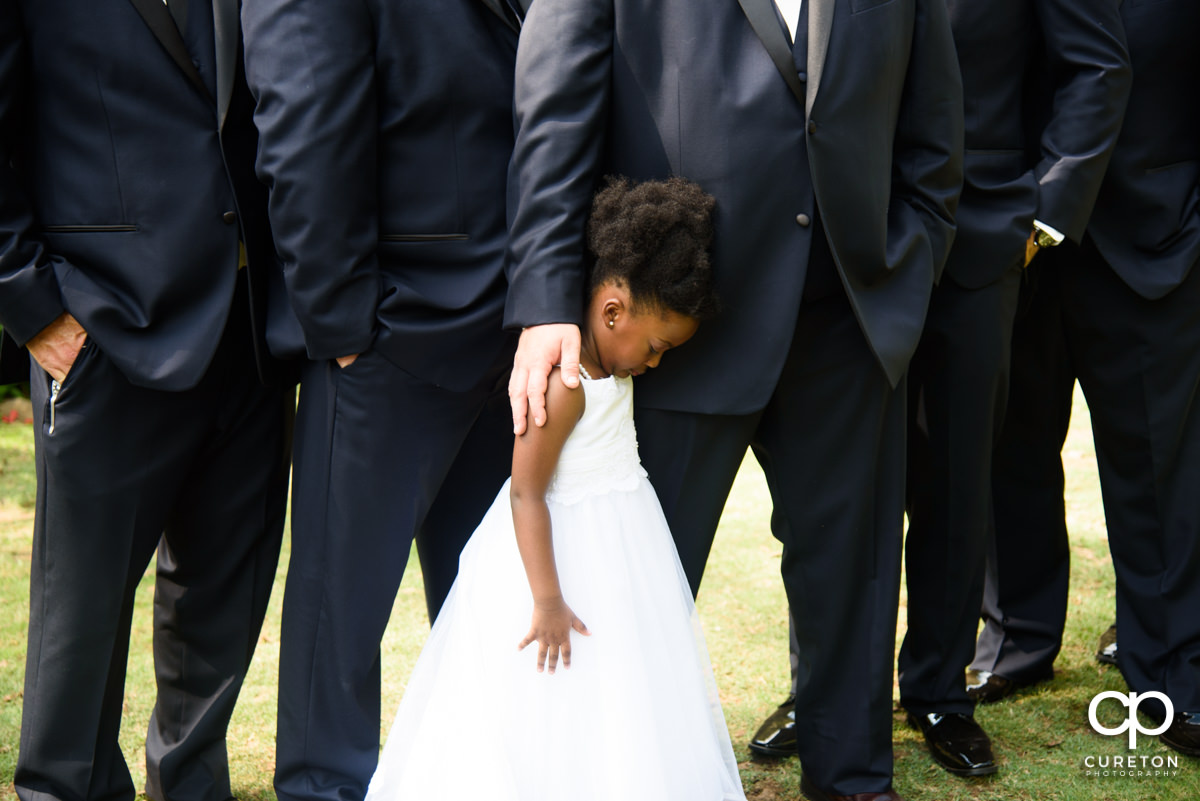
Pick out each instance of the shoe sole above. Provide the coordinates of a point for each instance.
(1186, 750)
(771, 753)
(987, 770)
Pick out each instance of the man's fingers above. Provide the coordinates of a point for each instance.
(566, 654)
(517, 395)
(528, 639)
(579, 626)
(540, 348)
(570, 360)
(541, 657)
(537, 397)
(553, 658)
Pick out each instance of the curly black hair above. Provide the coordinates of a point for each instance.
(653, 237)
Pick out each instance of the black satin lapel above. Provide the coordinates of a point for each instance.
(764, 22)
(225, 28)
(500, 9)
(156, 16)
(820, 23)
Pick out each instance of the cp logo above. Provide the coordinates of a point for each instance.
(1131, 723)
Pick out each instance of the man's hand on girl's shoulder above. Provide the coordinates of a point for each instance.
(541, 348)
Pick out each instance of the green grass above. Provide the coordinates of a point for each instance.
(1041, 736)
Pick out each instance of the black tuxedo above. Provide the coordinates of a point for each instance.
(836, 167)
(14, 362)
(126, 185)
(386, 133)
(1119, 313)
(1044, 86)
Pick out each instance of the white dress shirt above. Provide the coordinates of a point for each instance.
(790, 9)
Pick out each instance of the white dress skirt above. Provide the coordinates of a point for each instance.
(636, 717)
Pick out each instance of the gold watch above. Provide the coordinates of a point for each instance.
(1044, 240)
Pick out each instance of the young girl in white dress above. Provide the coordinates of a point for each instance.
(576, 543)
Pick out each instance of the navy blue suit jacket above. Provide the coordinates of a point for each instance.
(126, 182)
(1147, 217)
(1045, 84)
(386, 133)
(708, 89)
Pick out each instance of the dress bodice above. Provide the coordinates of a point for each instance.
(601, 453)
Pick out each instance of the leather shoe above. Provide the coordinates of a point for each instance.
(1184, 734)
(986, 688)
(814, 793)
(957, 742)
(776, 737)
(1106, 649)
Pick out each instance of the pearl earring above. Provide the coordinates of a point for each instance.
(610, 323)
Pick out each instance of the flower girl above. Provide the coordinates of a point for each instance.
(574, 555)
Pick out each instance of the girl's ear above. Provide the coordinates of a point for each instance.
(612, 309)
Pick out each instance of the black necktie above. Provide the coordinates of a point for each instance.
(179, 9)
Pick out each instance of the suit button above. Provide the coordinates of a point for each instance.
(803, 76)
(803, 220)
(230, 217)
(812, 127)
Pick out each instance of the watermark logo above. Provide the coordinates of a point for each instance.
(1131, 722)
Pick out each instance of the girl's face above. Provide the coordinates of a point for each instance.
(630, 343)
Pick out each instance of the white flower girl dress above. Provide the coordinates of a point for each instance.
(635, 718)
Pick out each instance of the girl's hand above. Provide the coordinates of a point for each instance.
(551, 627)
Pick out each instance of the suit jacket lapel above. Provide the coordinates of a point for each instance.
(761, 15)
(156, 16)
(225, 26)
(820, 23)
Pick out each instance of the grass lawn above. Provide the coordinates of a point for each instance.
(1041, 736)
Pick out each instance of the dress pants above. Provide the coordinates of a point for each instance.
(831, 444)
(957, 389)
(201, 475)
(1138, 362)
(381, 457)
(1028, 565)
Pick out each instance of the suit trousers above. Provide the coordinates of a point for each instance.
(382, 458)
(831, 444)
(1028, 564)
(1138, 362)
(201, 476)
(957, 390)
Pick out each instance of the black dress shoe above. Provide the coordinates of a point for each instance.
(957, 743)
(1106, 649)
(776, 737)
(987, 688)
(814, 793)
(1184, 734)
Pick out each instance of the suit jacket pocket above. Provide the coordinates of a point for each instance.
(859, 6)
(88, 229)
(422, 238)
